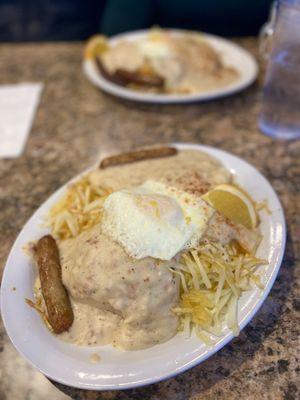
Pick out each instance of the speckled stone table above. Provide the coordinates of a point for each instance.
(75, 123)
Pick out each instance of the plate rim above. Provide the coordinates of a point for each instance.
(144, 97)
(196, 361)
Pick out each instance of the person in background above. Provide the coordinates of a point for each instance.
(38, 20)
(49, 20)
(221, 17)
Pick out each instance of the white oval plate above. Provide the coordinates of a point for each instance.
(70, 364)
(232, 55)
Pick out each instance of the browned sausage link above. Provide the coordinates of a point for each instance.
(138, 155)
(111, 77)
(124, 78)
(139, 79)
(59, 310)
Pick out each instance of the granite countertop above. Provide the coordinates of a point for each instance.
(75, 123)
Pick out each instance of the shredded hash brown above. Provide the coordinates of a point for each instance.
(213, 277)
(78, 210)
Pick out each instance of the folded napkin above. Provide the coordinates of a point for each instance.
(18, 104)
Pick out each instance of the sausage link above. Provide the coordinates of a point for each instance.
(59, 310)
(123, 77)
(138, 155)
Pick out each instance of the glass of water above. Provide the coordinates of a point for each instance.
(280, 114)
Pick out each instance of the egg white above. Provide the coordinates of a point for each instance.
(154, 49)
(154, 220)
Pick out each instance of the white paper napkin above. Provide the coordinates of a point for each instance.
(18, 104)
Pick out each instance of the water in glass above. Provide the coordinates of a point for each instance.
(280, 115)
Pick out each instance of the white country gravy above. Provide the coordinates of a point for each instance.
(116, 299)
(189, 170)
(188, 64)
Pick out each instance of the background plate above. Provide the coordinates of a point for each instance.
(70, 364)
(232, 55)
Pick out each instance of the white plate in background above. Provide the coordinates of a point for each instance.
(70, 364)
(231, 54)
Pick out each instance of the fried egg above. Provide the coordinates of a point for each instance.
(154, 49)
(155, 220)
(161, 58)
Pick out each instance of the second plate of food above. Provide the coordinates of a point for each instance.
(168, 66)
(161, 262)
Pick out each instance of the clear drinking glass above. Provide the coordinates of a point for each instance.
(280, 115)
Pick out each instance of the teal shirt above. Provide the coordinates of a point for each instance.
(222, 17)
